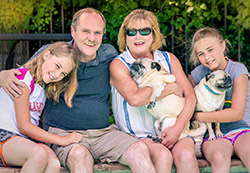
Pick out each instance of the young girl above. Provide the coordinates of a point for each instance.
(51, 72)
(209, 48)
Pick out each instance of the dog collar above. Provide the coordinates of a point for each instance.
(209, 89)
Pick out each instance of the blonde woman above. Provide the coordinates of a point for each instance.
(140, 36)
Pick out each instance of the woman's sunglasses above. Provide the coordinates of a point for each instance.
(142, 31)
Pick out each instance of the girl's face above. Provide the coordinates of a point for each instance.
(55, 68)
(139, 45)
(210, 52)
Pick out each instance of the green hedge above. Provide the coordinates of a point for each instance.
(178, 20)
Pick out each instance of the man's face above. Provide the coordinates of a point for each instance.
(88, 34)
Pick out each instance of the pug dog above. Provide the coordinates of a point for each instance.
(147, 72)
(210, 93)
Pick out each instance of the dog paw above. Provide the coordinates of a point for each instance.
(211, 138)
(155, 138)
(219, 134)
(151, 105)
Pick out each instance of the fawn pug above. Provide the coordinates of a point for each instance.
(147, 72)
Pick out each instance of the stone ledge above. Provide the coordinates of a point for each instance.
(236, 166)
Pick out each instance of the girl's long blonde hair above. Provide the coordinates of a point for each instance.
(68, 84)
(203, 33)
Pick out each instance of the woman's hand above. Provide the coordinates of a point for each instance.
(171, 136)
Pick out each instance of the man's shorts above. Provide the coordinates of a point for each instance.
(4, 137)
(106, 144)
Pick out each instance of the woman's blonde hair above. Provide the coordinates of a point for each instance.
(141, 14)
(68, 84)
(203, 33)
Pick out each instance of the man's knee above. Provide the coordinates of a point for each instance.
(78, 153)
(136, 149)
(80, 160)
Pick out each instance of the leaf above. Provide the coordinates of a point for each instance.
(206, 14)
(203, 6)
(82, 3)
(145, 3)
(189, 9)
(247, 3)
(189, 3)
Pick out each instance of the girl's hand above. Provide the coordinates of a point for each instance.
(71, 138)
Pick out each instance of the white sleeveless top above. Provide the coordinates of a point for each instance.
(37, 100)
(135, 120)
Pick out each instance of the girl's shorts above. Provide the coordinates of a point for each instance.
(5, 136)
(232, 136)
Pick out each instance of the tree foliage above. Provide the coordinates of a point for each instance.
(178, 19)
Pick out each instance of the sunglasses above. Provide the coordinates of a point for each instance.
(142, 31)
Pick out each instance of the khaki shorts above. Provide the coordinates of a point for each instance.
(106, 144)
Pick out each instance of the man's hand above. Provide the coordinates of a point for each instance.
(10, 83)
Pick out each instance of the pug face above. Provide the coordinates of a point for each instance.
(219, 80)
(143, 66)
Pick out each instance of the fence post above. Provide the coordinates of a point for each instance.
(239, 45)
(172, 35)
(186, 48)
(2, 54)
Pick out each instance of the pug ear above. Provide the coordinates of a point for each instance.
(155, 65)
(209, 75)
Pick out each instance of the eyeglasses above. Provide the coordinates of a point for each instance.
(142, 31)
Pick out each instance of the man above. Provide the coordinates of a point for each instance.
(90, 112)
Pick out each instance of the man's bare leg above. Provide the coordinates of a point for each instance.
(137, 158)
(80, 160)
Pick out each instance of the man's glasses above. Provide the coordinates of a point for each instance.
(142, 31)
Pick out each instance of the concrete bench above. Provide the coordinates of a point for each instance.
(236, 167)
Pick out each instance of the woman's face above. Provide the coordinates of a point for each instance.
(210, 52)
(139, 45)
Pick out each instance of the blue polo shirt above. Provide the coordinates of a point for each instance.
(91, 107)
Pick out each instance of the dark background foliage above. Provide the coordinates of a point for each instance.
(178, 19)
